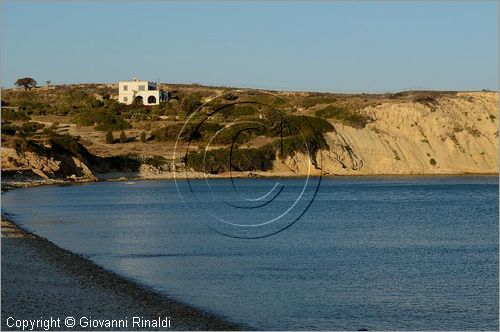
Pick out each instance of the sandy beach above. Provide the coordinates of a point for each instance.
(41, 280)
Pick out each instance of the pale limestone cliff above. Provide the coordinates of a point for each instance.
(453, 135)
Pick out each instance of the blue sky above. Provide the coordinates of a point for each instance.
(320, 46)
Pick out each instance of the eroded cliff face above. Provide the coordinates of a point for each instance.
(45, 164)
(449, 135)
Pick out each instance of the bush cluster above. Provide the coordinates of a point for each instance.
(8, 129)
(11, 115)
(67, 142)
(191, 102)
(237, 111)
(225, 159)
(303, 134)
(103, 120)
(25, 129)
(350, 118)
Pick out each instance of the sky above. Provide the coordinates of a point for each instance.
(315, 46)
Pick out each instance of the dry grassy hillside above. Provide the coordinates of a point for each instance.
(419, 132)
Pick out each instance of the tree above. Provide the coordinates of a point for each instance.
(143, 137)
(26, 82)
(48, 84)
(109, 137)
(123, 137)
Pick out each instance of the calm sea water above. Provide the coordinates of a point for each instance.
(376, 253)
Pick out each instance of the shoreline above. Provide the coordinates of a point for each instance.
(42, 279)
(11, 184)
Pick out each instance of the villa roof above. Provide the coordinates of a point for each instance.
(138, 81)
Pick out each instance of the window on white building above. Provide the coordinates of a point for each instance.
(125, 88)
(125, 99)
(141, 87)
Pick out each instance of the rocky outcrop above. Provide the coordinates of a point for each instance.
(45, 165)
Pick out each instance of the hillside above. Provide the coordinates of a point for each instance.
(60, 132)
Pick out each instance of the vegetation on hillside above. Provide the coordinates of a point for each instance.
(353, 119)
(103, 120)
(287, 134)
(249, 127)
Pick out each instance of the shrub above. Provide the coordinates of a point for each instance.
(350, 118)
(8, 129)
(237, 111)
(11, 115)
(103, 120)
(143, 137)
(67, 142)
(163, 108)
(283, 126)
(109, 137)
(112, 105)
(224, 160)
(231, 97)
(50, 131)
(309, 144)
(29, 128)
(191, 102)
(233, 135)
(135, 110)
(168, 133)
(123, 137)
(432, 162)
(96, 103)
(306, 124)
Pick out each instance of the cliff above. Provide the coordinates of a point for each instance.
(447, 135)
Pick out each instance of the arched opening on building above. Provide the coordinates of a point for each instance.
(151, 100)
(138, 100)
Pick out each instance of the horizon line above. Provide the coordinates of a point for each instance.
(415, 89)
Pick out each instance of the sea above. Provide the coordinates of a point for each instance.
(331, 253)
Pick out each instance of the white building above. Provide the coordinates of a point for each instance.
(143, 92)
